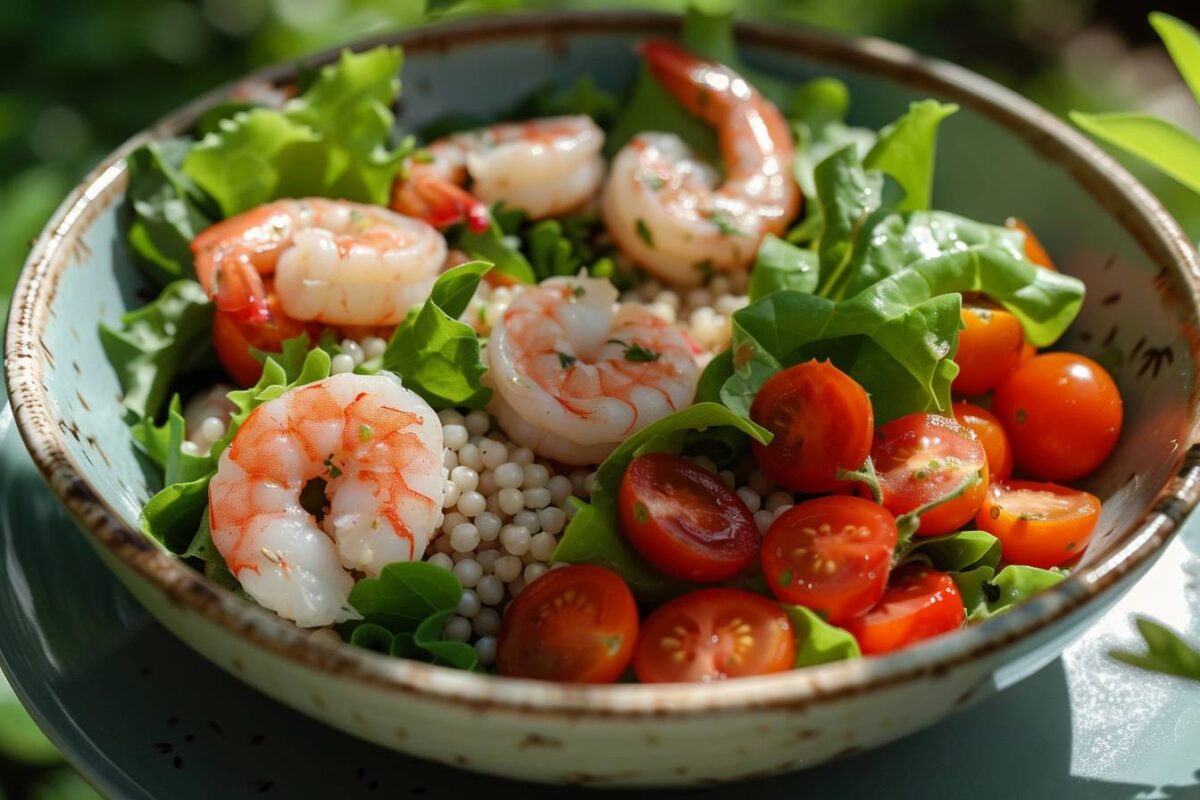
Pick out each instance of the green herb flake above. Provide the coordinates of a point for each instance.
(365, 433)
(635, 352)
(643, 232)
(579, 291)
(566, 360)
(724, 223)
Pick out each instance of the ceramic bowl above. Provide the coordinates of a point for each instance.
(1000, 156)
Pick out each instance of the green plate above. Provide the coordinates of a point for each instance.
(142, 716)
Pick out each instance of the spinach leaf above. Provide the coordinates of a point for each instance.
(202, 548)
(1165, 652)
(436, 648)
(780, 265)
(905, 150)
(155, 344)
(953, 552)
(405, 595)
(818, 642)
(986, 593)
(817, 112)
(491, 246)
(435, 354)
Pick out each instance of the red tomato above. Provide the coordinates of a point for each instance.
(576, 624)
(991, 435)
(714, 634)
(920, 603)
(1028, 351)
(1063, 415)
(1039, 524)
(1033, 248)
(683, 520)
(822, 421)
(831, 554)
(233, 339)
(923, 459)
(989, 348)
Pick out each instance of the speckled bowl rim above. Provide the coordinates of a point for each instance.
(1111, 185)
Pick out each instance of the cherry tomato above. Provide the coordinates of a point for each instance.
(714, 634)
(233, 339)
(683, 520)
(822, 421)
(1033, 248)
(920, 603)
(1028, 351)
(991, 435)
(927, 458)
(1039, 524)
(989, 349)
(1063, 415)
(576, 624)
(831, 554)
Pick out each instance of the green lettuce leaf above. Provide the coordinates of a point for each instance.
(1183, 43)
(492, 246)
(953, 552)
(1165, 145)
(818, 115)
(435, 354)
(818, 642)
(1165, 652)
(780, 265)
(986, 593)
(155, 344)
(162, 444)
(905, 150)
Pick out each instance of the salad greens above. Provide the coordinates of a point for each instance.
(1165, 652)
(818, 642)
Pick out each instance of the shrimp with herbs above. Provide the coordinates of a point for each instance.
(375, 450)
(544, 167)
(667, 210)
(575, 373)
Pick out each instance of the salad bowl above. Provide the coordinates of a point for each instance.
(1002, 156)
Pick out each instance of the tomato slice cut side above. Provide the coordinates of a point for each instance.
(920, 603)
(831, 554)
(1039, 524)
(575, 624)
(683, 520)
(714, 634)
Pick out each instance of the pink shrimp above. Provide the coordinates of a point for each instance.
(378, 449)
(664, 208)
(575, 374)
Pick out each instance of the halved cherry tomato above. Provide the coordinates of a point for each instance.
(683, 520)
(577, 624)
(989, 349)
(991, 435)
(233, 339)
(920, 603)
(822, 421)
(1033, 247)
(1063, 415)
(923, 459)
(831, 554)
(714, 634)
(1039, 524)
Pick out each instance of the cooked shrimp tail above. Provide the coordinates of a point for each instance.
(439, 202)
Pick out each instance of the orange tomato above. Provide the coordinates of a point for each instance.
(991, 435)
(989, 349)
(1039, 524)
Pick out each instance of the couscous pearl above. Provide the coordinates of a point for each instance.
(542, 546)
(493, 453)
(719, 285)
(449, 458)
(468, 604)
(451, 493)
(486, 622)
(490, 588)
(466, 478)
(485, 649)
(468, 573)
(763, 520)
(727, 478)
(508, 568)
(509, 475)
(454, 437)
(578, 480)
(374, 347)
(487, 482)
(487, 559)
(761, 483)
(516, 587)
(534, 571)
(212, 428)
(537, 498)
(511, 500)
(551, 519)
(189, 448)
(527, 519)
(705, 463)
(515, 539)
(457, 629)
(341, 364)
(472, 504)
(448, 416)
(442, 560)
(488, 525)
(588, 483)
(468, 455)
(354, 350)
(464, 538)
(750, 497)
(452, 520)
(536, 476)
(560, 488)
(777, 499)
(781, 509)
(478, 422)
(522, 456)
(668, 298)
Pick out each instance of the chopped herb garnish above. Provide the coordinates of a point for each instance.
(365, 433)
(643, 232)
(579, 291)
(724, 223)
(653, 181)
(705, 268)
(635, 352)
(566, 360)
(785, 577)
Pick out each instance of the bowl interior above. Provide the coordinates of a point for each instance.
(1139, 318)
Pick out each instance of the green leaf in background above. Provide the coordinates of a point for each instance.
(490, 246)
(155, 344)
(906, 148)
(1183, 43)
(435, 354)
(405, 595)
(780, 265)
(1164, 144)
(1165, 652)
(818, 642)
(20, 738)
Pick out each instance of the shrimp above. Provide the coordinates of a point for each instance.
(663, 207)
(378, 449)
(333, 262)
(544, 167)
(575, 374)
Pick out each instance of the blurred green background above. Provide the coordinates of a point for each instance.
(82, 75)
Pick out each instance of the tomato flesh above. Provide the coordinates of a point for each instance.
(683, 520)
(1039, 524)
(714, 634)
(831, 554)
(989, 349)
(920, 603)
(987, 428)
(1063, 414)
(924, 459)
(576, 624)
(822, 422)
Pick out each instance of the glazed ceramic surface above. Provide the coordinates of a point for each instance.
(1000, 156)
